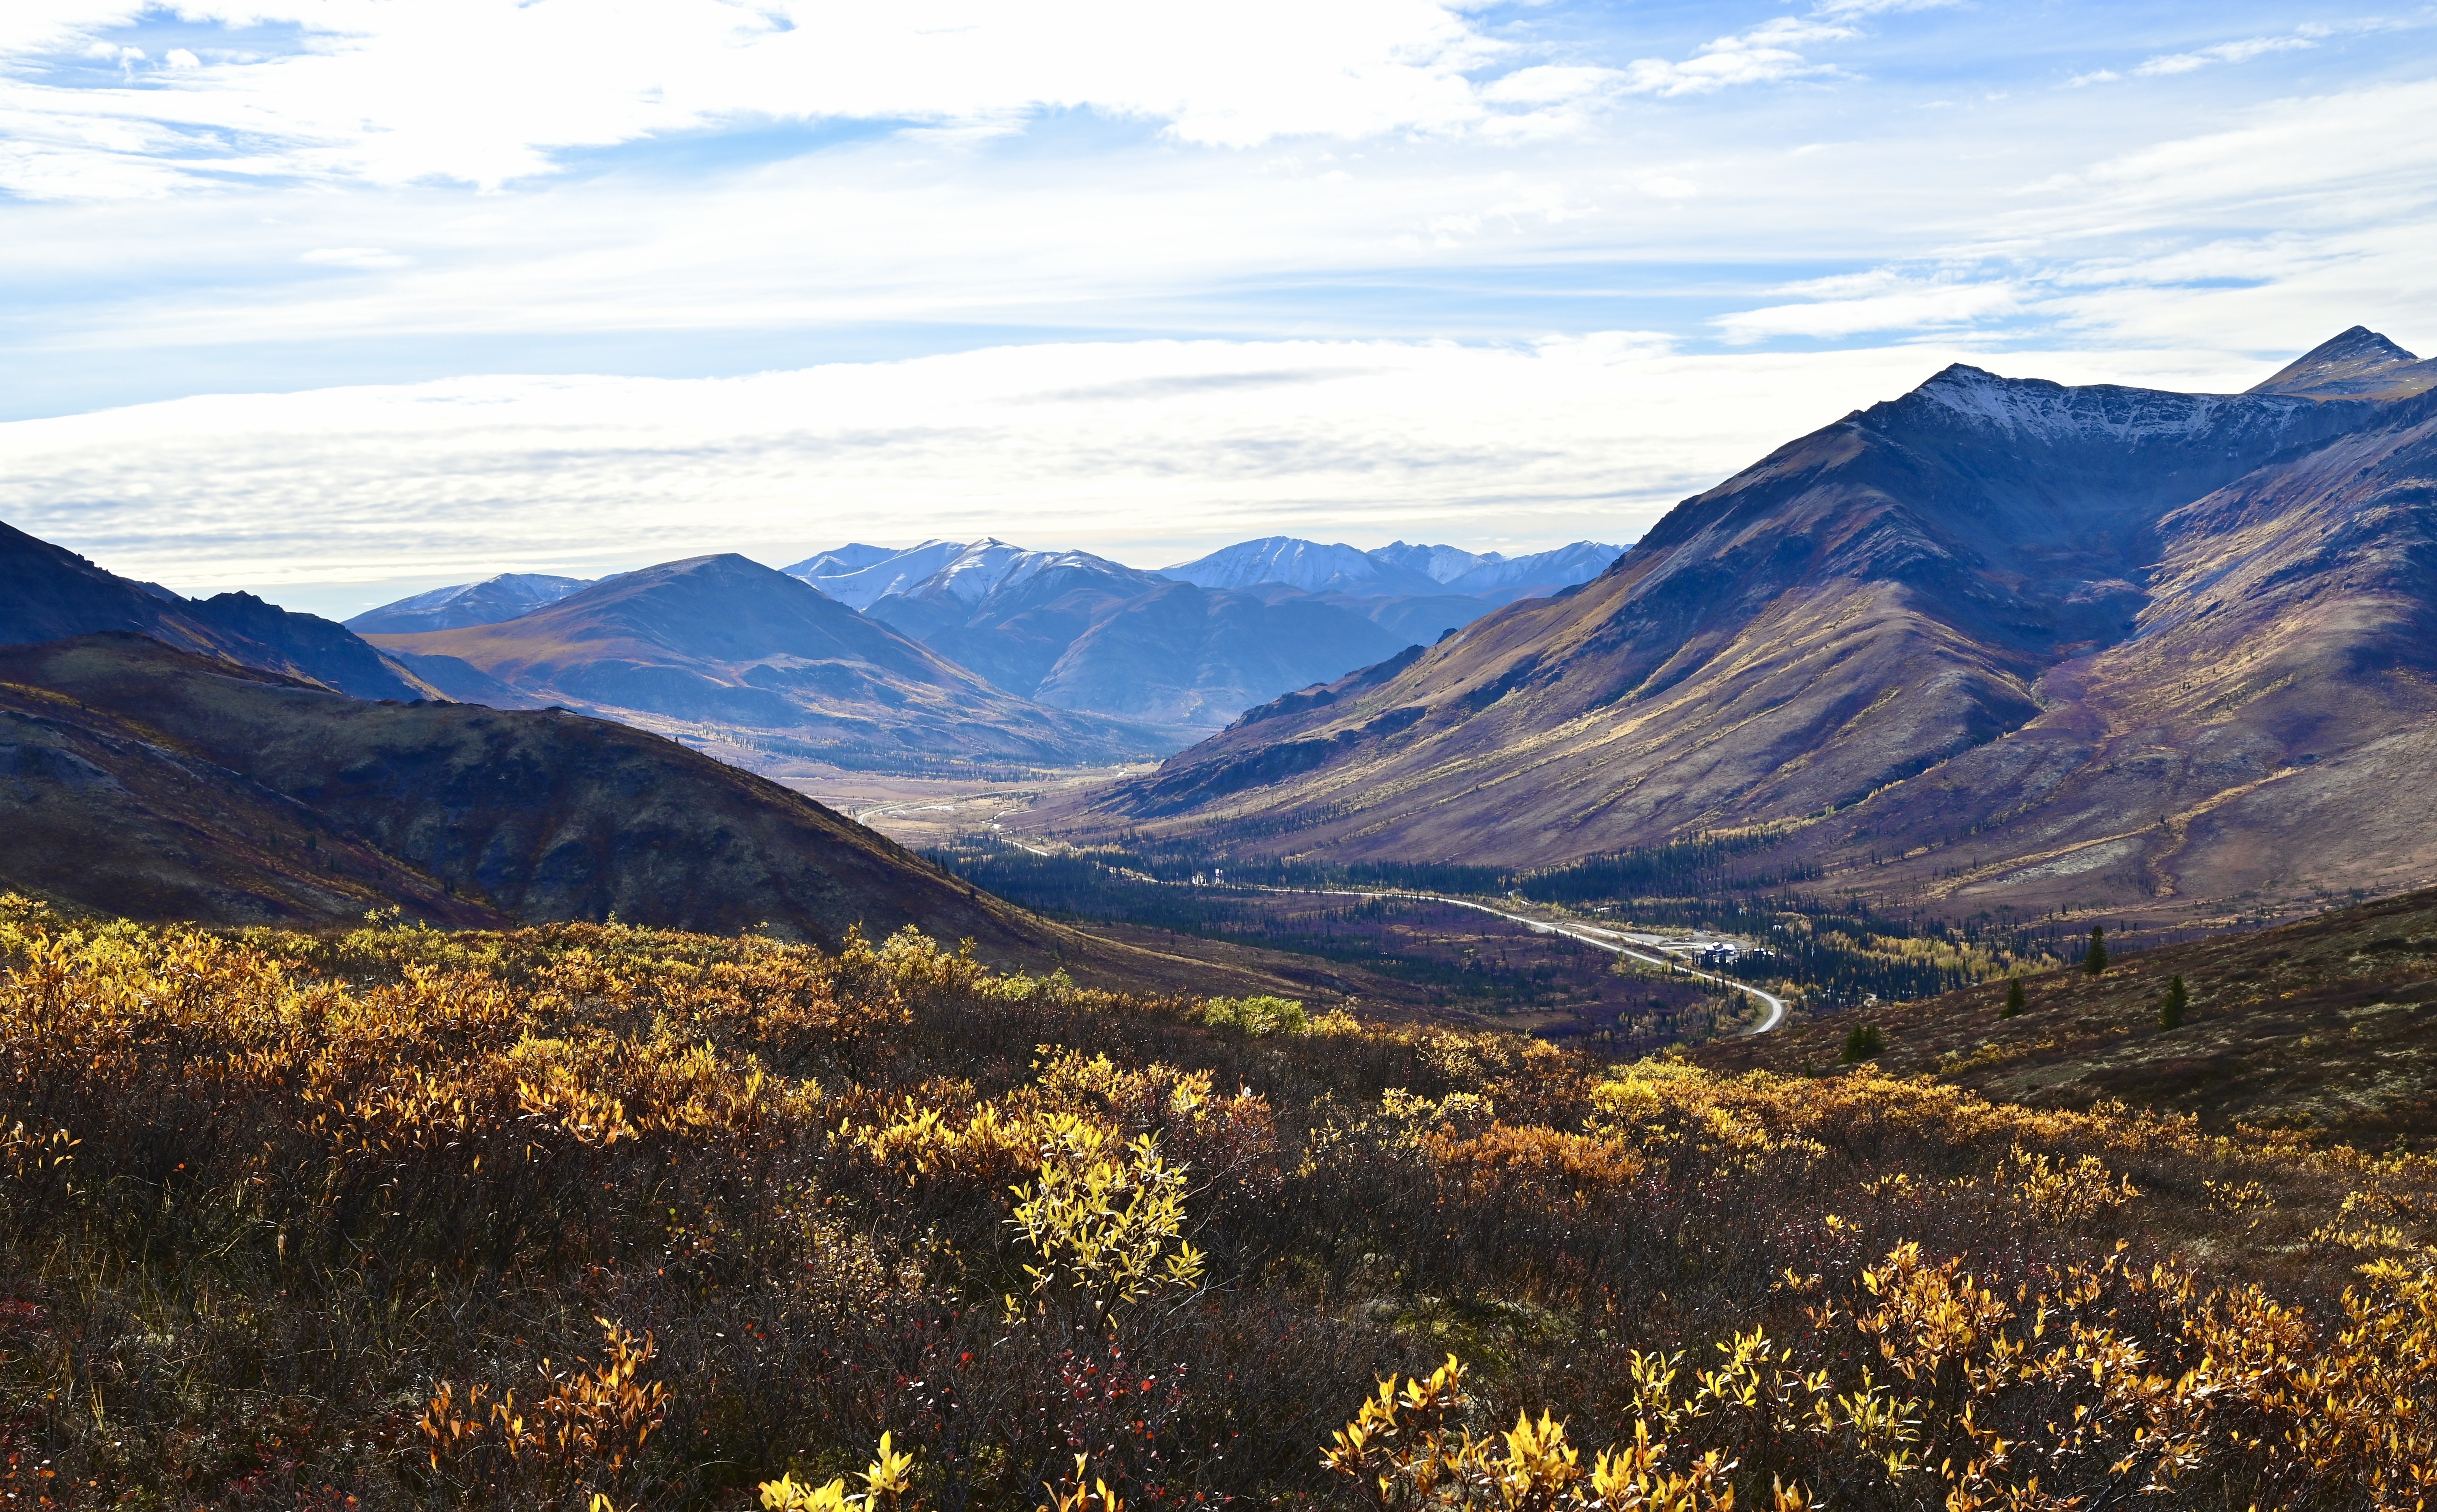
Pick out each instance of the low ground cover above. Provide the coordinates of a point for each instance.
(589, 1215)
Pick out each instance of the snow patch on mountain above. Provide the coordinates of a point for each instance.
(2037, 409)
(1545, 571)
(509, 595)
(1440, 564)
(894, 572)
(990, 564)
(1311, 566)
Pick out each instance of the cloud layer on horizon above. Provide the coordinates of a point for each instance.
(1148, 451)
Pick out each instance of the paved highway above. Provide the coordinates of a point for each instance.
(1584, 934)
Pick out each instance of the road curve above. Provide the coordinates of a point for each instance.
(1584, 934)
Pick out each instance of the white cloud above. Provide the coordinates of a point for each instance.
(486, 91)
(2229, 52)
(353, 257)
(1853, 9)
(2304, 163)
(1903, 305)
(1765, 54)
(1145, 450)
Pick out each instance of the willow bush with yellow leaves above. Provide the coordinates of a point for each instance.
(601, 1218)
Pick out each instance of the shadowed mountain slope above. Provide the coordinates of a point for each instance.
(142, 781)
(47, 592)
(1996, 640)
(147, 781)
(724, 641)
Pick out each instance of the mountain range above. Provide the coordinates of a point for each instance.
(1168, 657)
(721, 640)
(210, 760)
(1998, 642)
(1079, 631)
(1188, 647)
(1394, 569)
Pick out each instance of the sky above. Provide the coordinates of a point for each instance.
(338, 299)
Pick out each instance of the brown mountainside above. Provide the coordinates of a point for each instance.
(2322, 1025)
(1999, 640)
(150, 782)
(146, 782)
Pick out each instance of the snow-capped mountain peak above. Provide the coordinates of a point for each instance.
(1440, 564)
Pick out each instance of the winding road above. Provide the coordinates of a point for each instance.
(1598, 939)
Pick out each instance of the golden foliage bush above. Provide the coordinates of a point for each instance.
(304, 1221)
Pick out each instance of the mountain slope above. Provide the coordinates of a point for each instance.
(1833, 642)
(486, 602)
(724, 641)
(2322, 1025)
(1185, 656)
(184, 788)
(47, 592)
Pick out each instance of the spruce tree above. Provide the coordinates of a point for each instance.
(2015, 999)
(2096, 963)
(2170, 1010)
(1863, 1043)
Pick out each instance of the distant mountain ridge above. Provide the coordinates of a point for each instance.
(1186, 648)
(1066, 628)
(1995, 640)
(1076, 630)
(47, 592)
(725, 640)
(487, 602)
(1311, 566)
(1392, 570)
(2358, 364)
